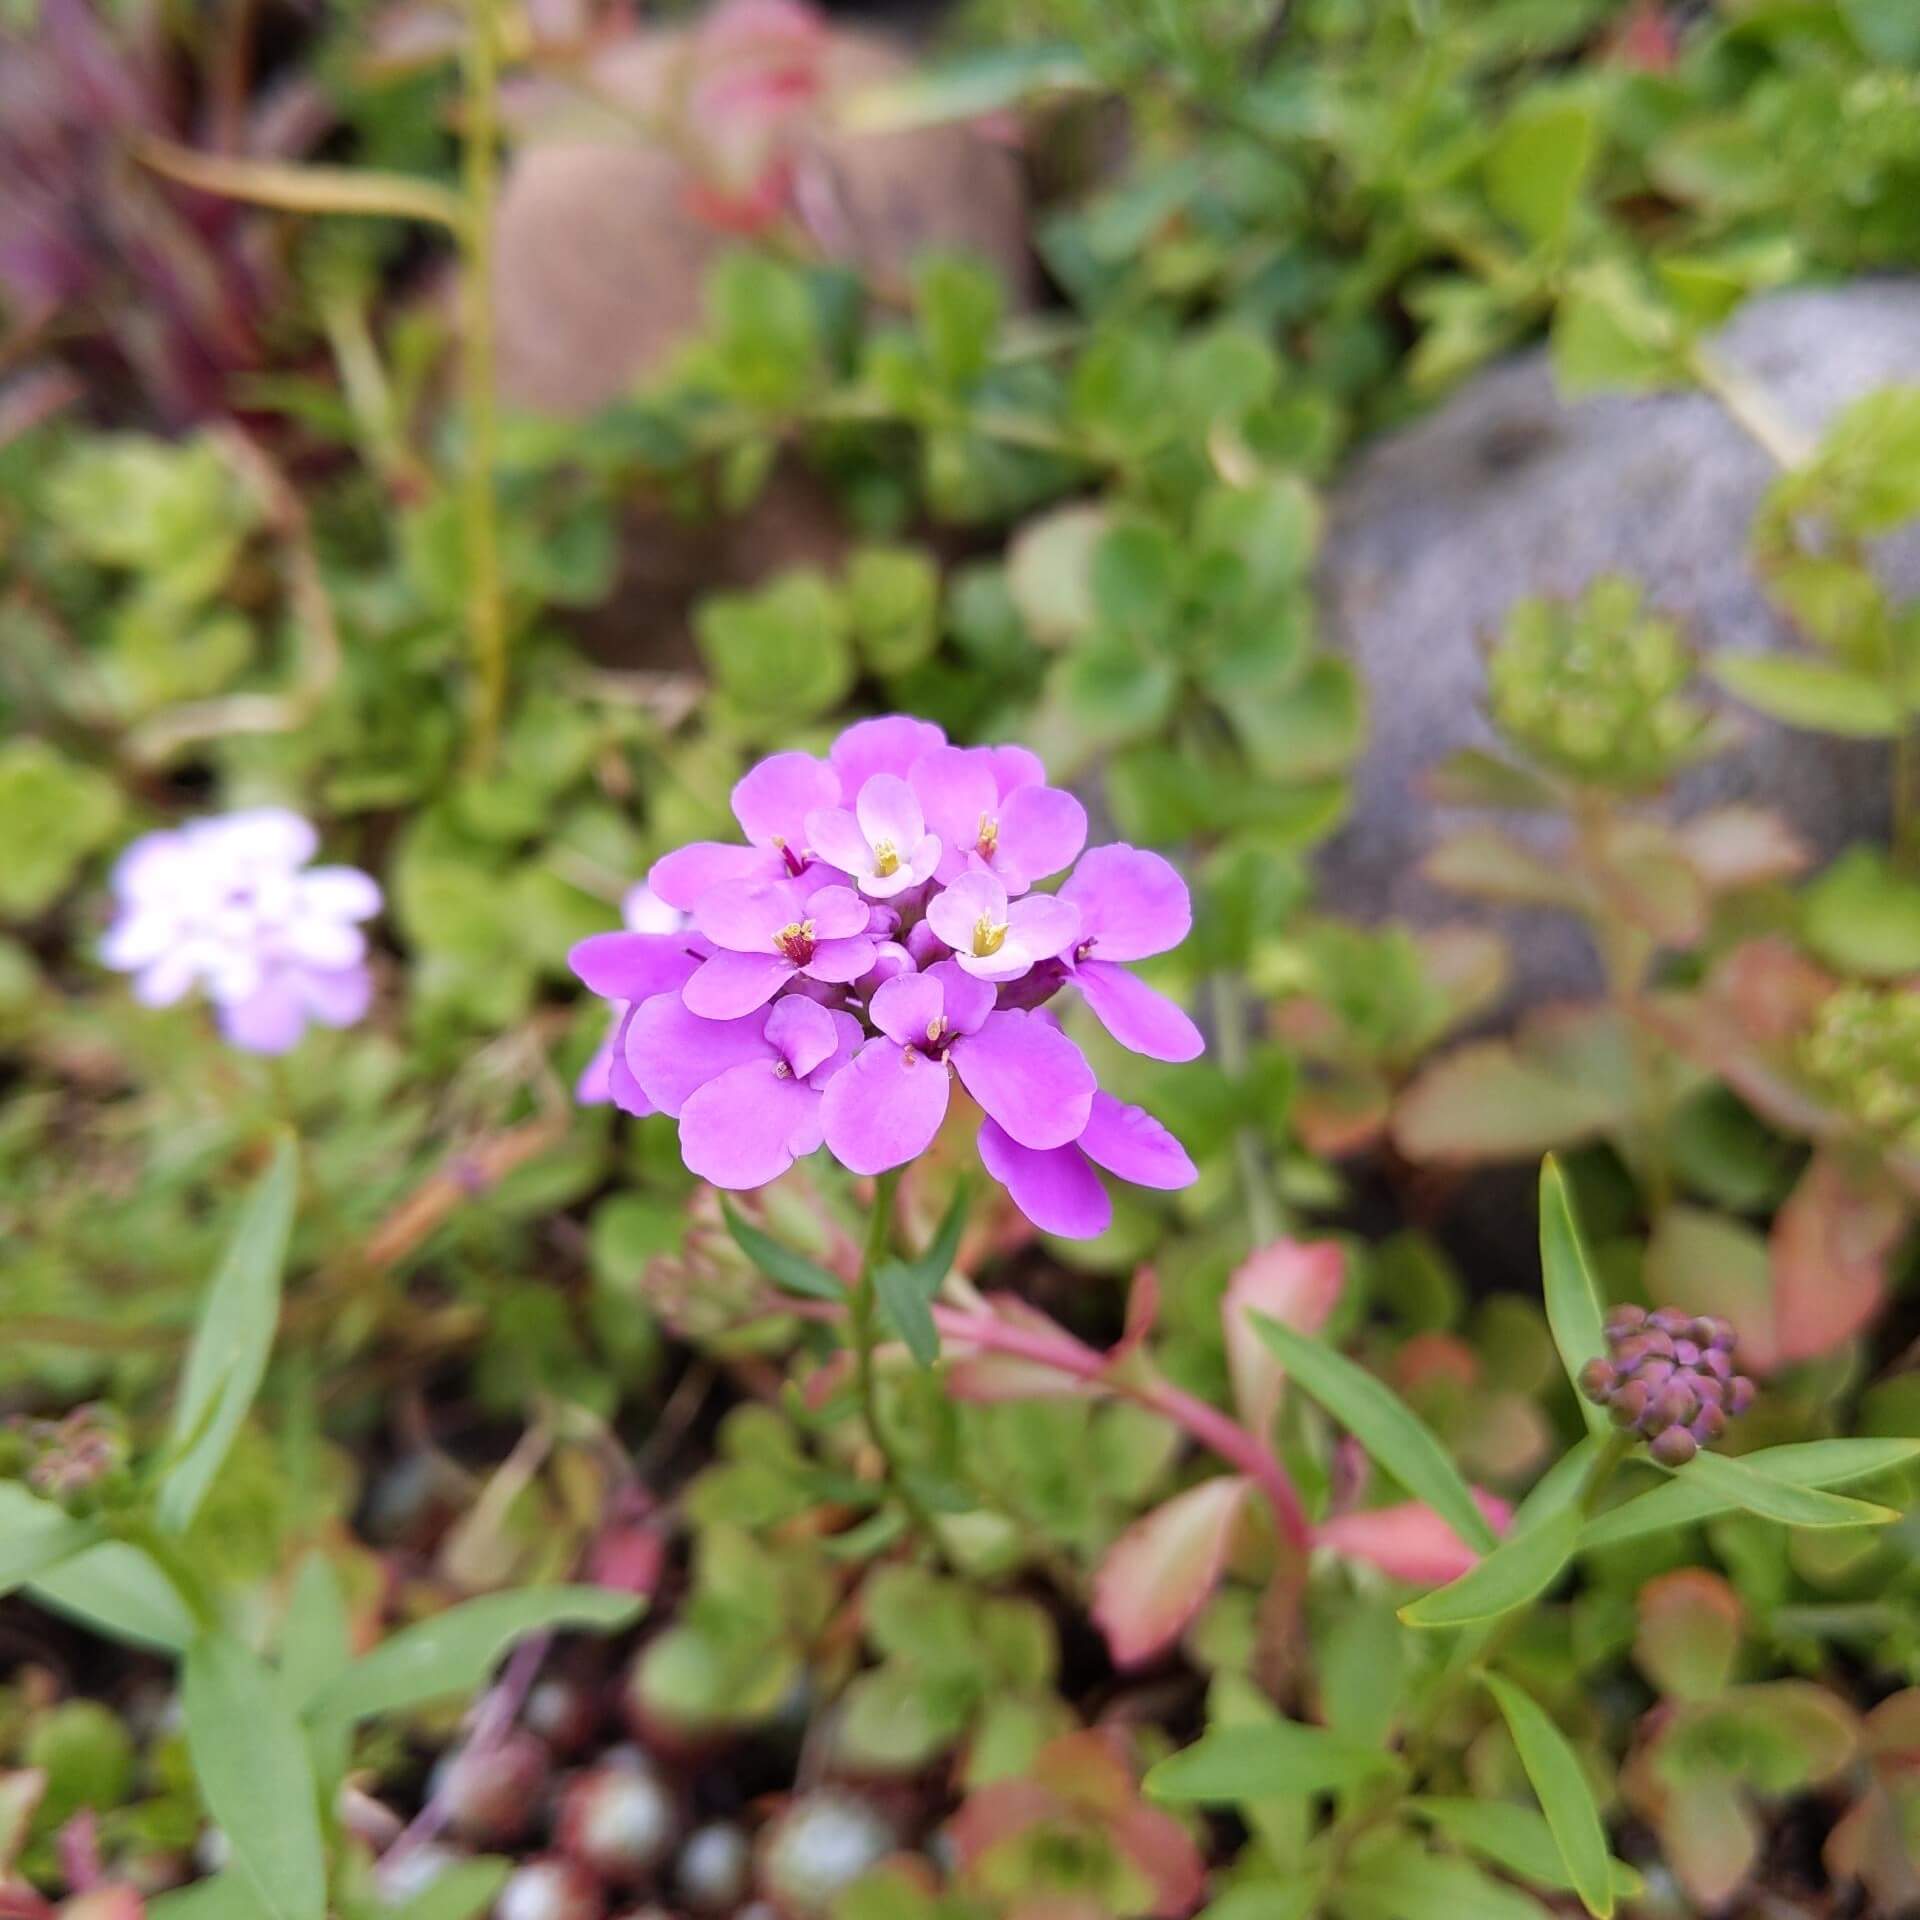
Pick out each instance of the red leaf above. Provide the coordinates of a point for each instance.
(1298, 1283)
(1409, 1542)
(1831, 1244)
(1158, 1574)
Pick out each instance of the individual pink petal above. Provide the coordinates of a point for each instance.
(682, 876)
(1040, 831)
(270, 1020)
(1132, 903)
(315, 941)
(889, 814)
(336, 997)
(1410, 1542)
(1159, 1574)
(955, 912)
(593, 1087)
(671, 1051)
(645, 912)
(741, 918)
(890, 744)
(883, 1108)
(272, 836)
(1014, 768)
(341, 893)
(904, 1009)
(890, 961)
(623, 1089)
(1130, 1142)
(748, 1126)
(1028, 1076)
(1042, 926)
(968, 1001)
(1297, 1282)
(837, 912)
(732, 984)
(772, 801)
(1057, 1189)
(632, 966)
(834, 835)
(841, 961)
(957, 792)
(848, 1038)
(1141, 1019)
(801, 1032)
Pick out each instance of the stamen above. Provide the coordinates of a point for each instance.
(936, 1028)
(989, 836)
(781, 1071)
(988, 937)
(885, 860)
(794, 942)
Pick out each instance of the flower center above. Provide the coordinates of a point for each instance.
(794, 942)
(936, 1029)
(989, 836)
(781, 1071)
(989, 936)
(885, 860)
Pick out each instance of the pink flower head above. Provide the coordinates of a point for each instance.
(230, 905)
(766, 935)
(771, 802)
(887, 1106)
(996, 939)
(1132, 904)
(991, 807)
(841, 971)
(882, 844)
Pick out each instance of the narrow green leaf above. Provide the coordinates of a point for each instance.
(1383, 1423)
(461, 1892)
(111, 1587)
(315, 1643)
(966, 86)
(250, 1759)
(907, 1309)
(455, 1651)
(1738, 1484)
(232, 1342)
(1520, 1569)
(1686, 1499)
(932, 1266)
(1554, 1771)
(789, 1271)
(36, 1538)
(1572, 1299)
(1235, 1764)
(1515, 1839)
(299, 189)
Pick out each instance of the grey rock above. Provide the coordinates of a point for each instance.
(1508, 491)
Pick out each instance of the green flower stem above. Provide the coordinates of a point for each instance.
(1249, 1152)
(863, 1328)
(479, 504)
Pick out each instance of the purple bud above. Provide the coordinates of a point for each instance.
(1623, 1320)
(1712, 1392)
(1629, 1403)
(1708, 1425)
(493, 1794)
(1670, 1320)
(1654, 1373)
(1704, 1330)
(1598, 1378)
(1675, 1406)
(1686, 1352)
(1675, 1447)
(1632, 1350)
(550, 1889)
(1717, 1363)
(1740, 1392)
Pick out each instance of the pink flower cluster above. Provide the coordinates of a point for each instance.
(231, 906)
(876, 937)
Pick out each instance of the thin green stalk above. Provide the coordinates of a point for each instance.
(863, 1326)
(479, 504)
(167, 1554)
(1249, 1152)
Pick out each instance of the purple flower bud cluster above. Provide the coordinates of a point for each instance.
(1669, 1377)
(879, 936)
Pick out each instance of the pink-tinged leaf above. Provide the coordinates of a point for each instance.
(1489, 1101)
(985, 1378)
(1690, 1623)
(1733, 847)
(1831, 1245)
(1410, 1542)
(1164, 1853)
(1298, 1283)
(1709, 1836)
(1341, 1113)
(1719, 1266)
(1489, 865)
(1158, 1574)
